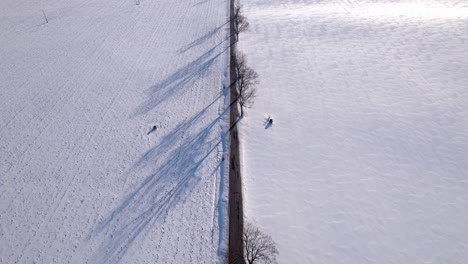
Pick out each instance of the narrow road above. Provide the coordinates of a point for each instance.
(236, 216)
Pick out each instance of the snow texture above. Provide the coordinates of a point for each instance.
(366, 160)
(84, 177)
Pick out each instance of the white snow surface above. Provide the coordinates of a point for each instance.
(366, 161)
(83, 178)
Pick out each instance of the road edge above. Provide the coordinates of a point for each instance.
(236, 215)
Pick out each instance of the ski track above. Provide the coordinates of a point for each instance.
(82, 180)
(366, 159)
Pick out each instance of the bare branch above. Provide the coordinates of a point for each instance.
(258, 247)
(247, 79)
(240, 21)
(242, 24)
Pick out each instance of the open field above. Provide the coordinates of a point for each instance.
(83, 177)
(366, 161)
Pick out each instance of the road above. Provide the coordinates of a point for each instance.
(236, 216)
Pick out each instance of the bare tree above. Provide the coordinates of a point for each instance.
(258, 247)
(240, 21)
(247, 79)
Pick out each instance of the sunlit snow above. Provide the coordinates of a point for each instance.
(366, 161)
(374, 10)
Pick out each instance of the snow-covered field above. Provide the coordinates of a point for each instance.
(366, 161)
(83, 178)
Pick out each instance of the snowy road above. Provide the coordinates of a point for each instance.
(83, 177)
(367, 159)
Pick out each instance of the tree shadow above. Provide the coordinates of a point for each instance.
(200, 3)
(202, 39)
(178, 80)
(173, 166)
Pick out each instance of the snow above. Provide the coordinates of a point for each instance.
(366, 159)
(83, 177)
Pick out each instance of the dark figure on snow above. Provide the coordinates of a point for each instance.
(270, 121)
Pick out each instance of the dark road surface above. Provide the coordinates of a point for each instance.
(236, 216)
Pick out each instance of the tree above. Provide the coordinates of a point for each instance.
(247, 79)
(258, 247)
(240, 21)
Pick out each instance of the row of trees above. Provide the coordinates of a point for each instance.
(257, 246)
(247, 78)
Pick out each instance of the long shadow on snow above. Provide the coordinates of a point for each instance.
(172, 178)
(179, 80)
(202, 39)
